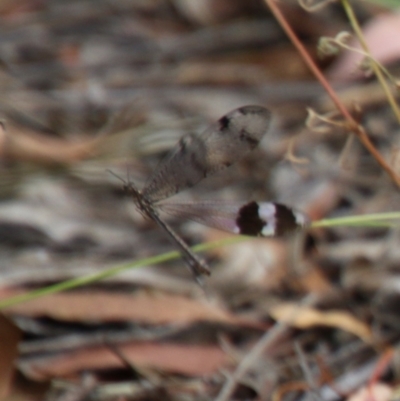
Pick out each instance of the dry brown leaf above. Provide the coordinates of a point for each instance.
(306, 317)
(375, 392)
(34, 147)
(381, 35)
(10, 335)
(314, 281)
(169, 357)
(145, 307)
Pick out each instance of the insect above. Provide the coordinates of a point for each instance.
(195, 157)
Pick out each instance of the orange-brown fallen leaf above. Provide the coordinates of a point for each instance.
(144, 307)
(16, 144)
(305, 317)
(191, 360)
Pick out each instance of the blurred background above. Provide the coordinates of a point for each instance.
(93, 86)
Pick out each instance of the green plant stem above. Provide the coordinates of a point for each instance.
(373, 220)
(89, 279)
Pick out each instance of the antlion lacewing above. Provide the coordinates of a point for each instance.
(196, 156)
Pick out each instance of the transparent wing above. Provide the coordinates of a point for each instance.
(217, 214)
(255, 219)
(198, 156)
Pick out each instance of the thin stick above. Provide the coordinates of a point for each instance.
(265, 342)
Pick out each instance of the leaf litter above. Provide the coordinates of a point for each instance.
(88, 88)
